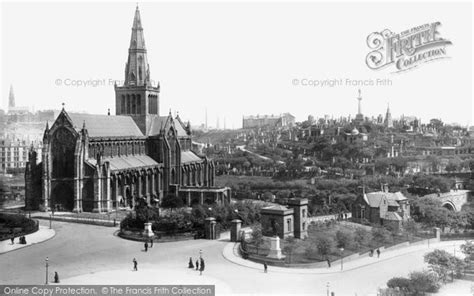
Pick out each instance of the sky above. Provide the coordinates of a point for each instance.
(235, 58)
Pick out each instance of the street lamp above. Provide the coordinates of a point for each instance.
(46, 270)
(327, 290)
(342, 259)
(200, 254)
(50, 220)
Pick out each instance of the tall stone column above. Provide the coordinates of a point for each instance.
(108, 190)
(188, 199)
(201, 198)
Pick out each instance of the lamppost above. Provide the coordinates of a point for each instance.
(50, 220)
(46, 270)
(327, 288)
(342, 258)
(200, 254)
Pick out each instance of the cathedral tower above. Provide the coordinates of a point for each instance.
(137, 97)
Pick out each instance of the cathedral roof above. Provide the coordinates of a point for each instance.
(189, 156)
(105, 125)
(165, 122)
(127, 162)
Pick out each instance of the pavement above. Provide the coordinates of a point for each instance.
(231, 253)
(43, 234)
(89, 254)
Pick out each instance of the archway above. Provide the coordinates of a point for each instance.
(62, 198)
(450, 206)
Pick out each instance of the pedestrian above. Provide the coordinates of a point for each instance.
(24, 240)
(201, 267)
(190, 264)
(329, 262)
(371, 253)
(13, 240)
(197, 264)
(265, 267)
(56, 277)
(378, 253)
(135, 264)
(151, 243)
(146, 246)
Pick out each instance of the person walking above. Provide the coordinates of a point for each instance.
(151, 243)
(135, 264)
(146, 246)
(56, 277)
(265, 267)
(197, 264)
(190, 264)
(329, 262)
(201, 267)
(13, 240)
(378, 253)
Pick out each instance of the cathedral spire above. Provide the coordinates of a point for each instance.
(137, 70)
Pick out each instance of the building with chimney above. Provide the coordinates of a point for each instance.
(101, 162)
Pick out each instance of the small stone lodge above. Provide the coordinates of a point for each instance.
(95, 163)
(282, 221)
(382, 207)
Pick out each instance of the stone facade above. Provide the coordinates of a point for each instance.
(282, 221)
(100, 162)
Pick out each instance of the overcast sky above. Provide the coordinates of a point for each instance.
(234, 59)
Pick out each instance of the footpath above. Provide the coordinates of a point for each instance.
(231, 253)
(43, 234)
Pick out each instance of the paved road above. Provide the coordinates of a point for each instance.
(90, 254)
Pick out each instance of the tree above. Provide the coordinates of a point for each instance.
(290, 246)
(444, 263)
(344, 238)
(257, 236)
(468, 249)
(362, 236)
(171, 201)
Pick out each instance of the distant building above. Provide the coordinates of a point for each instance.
(14, 155)
(283, 120)
(382, 207)
(388, 122)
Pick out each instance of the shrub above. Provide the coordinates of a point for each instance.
(362, 236)
(381, 235)
(424, 282)
(399, 282)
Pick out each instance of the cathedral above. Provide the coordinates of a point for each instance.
(97, 163)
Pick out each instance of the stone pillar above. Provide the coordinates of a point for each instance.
(108, 193)
(139, 186)
(147, 188)
(188, 198)
(116, 184)
(201, 198)
(437, 233)
(210, 228)
(153, 183)
(235, 230)
(275, 250)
